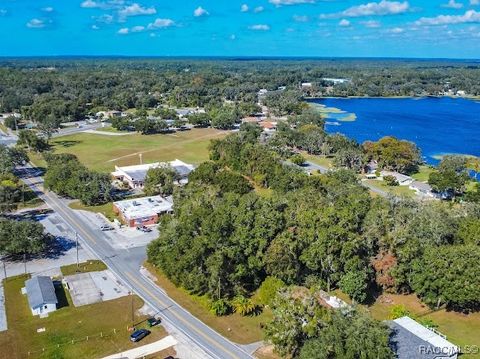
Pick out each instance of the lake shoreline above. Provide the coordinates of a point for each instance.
(471, 98)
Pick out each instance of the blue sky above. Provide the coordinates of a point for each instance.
(380, 28)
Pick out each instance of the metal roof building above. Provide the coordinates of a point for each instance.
(411, 340)
(41, 295)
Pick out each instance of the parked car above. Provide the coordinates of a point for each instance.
(106, 227)
(144, 229)
(153, 321)
(139, 334)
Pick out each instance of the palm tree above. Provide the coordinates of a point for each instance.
(243, 306)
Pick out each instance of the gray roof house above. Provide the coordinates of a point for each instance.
(411, 340)
(41, 295)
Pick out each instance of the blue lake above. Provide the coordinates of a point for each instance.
(437, 125)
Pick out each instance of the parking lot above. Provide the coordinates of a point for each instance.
(121, 237)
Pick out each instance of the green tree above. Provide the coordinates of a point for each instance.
(243, 305)
(160, 181)
(10, 158)
(31, 140)
(355, 284)
(21, 237)
(268, 290)
(297, 159)
(352, 335)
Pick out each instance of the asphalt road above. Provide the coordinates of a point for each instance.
(126, 265)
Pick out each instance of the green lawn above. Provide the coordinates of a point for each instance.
(84, 267)
(105, 209)
(242, 330)
(102, 153)
(319, 160)
(67, 324)
(401, 191)
(423, 173)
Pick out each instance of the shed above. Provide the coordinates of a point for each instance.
(41, 295)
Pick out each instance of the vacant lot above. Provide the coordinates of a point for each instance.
(67, 324)
(242, 330)
(102, 153)
(83, 267)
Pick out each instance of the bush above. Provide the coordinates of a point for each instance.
(243, 305)
(398, 311)
(390, 181)
(220, 307)
(298, 159)
(268, 290)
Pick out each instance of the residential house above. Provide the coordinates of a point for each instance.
(403, 180)
(411, 340)
(41, 295)
(422, 188)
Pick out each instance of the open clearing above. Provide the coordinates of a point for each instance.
(69, 323)
(102, 153)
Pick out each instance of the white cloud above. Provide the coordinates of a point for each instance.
(3, 12)
(381, 8)
(471, 16)
(372, 24)
(136, 10)
(89, 4)
(36, 24)
(123, 31)
(200, 11)
(48, 9)
(95, 27)
(104, 19)
(452, 4)
(474, 2)
(244, 8)
(290, 2)
(138, 28)
(259, 27)
(258, 9)
(396, 30)
(301, 18)
(233, 37)
(344, 23)
(160, 24)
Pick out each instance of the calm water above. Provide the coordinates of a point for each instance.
(437, 125)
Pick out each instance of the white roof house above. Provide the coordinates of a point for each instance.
(422, 188)
(41, 295)
(412, 340)
(403, 180)
(135, 176)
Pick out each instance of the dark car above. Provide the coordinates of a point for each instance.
(153, 321)
(144, 229)
(138, 335)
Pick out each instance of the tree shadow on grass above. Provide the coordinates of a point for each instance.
(67, 143)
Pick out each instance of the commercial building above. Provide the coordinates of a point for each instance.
(134, 176)
(41, 295)
(411, 340)
(142, 211)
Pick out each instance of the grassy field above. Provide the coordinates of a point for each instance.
(84, 267)
(242, 330)
(423, 173)
(401, 191)
(105, 209)
(102, 153)
(68, 324)
(319, 160)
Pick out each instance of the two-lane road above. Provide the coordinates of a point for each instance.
(126, 265)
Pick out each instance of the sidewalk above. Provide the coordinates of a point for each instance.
(145, 350)
(3, 314)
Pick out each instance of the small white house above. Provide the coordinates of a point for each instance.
(403, 180)
(41, 295)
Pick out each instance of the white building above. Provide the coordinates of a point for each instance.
(41, 295)
(412, 340)
(142, 211)
(403, 180)
(135, 176)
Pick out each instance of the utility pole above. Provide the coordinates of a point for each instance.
(4, 269)
(25, 261)
(141, 161)
(133, 311)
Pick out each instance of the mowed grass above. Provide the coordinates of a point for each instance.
(105, 209)
(239, 329)
(102, 153)
(401, 191)
(319, 160)
(84, 267)
(423, 173)
(66, 324)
